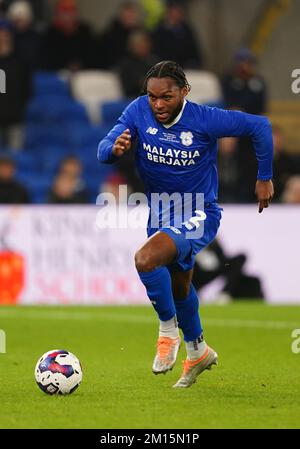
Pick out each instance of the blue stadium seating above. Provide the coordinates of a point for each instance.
(111, 110)
(26, 162)
(57, 126)
(93, 184)
(50, 158)
(39, 136)
(49, 83)
(54, 109)
(84, 135)
(38, 185)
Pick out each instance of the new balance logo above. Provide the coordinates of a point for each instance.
(152, 131)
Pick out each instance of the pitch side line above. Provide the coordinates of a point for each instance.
(86, 316)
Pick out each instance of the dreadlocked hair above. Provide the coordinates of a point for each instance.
(166, 69)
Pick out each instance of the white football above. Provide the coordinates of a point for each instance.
(58, 372)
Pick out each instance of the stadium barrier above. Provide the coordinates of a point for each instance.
(58, 255)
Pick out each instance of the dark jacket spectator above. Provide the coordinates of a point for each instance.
(228, 170)
(113, 42)
(136, 64)
(243, 88)
(285, 164)
(40, 8)
(17, 86)
(68, 43)
(247, 170)
(11, 191)
(26, 39)
(174, 39)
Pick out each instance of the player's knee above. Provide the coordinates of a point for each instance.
(144, 261)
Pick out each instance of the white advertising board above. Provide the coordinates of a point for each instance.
(57, 255)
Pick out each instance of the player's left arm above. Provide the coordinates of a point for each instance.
(223, 123)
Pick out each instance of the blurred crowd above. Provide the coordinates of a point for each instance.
(138, 36)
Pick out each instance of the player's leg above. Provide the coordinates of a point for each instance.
(199, 355)
(151, 260)
(186, 304)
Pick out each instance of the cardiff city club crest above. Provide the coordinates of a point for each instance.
(186, 138)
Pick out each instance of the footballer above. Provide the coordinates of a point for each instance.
(177, 152)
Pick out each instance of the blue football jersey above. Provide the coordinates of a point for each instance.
(183, 157)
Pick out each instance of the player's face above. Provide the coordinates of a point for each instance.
(165, 98)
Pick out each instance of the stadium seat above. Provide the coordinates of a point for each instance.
(50, 158)
(111, 110)
(206, 87)
(93, 184)
(26, 161)
(23, 159)
(94, 87)
(83, 135)
(51, 109)
(39, 136)
(38, 185)
(49, 83)
(91, 165)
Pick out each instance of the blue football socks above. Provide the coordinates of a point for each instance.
(159, 290)
(187, 311)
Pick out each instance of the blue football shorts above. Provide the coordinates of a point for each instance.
(187, 248)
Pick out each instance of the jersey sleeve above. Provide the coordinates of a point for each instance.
(126, 121)
(224, 123)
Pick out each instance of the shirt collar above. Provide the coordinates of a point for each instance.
(176, 120)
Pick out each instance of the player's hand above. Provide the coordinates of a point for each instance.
(122, 143)
(264, 191)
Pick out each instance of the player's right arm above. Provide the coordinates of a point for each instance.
(122, 143)
(119, 139)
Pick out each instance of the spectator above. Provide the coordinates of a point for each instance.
(40, 8)
(291, 194)
(228, 170)
(27, 39)
(174, 39)
(71, 166)
(68, 43)
(11, 191)
(136, 64)
(247, 170)
(237, 170)
(113, 42)
(64, 191)
(154, 10)
(17, 91)
(243, 87)
(284, 164)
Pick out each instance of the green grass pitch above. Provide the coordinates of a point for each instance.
(255, 385)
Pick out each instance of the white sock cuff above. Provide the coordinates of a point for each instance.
(169, 328)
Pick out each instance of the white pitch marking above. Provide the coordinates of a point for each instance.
(111, 316)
